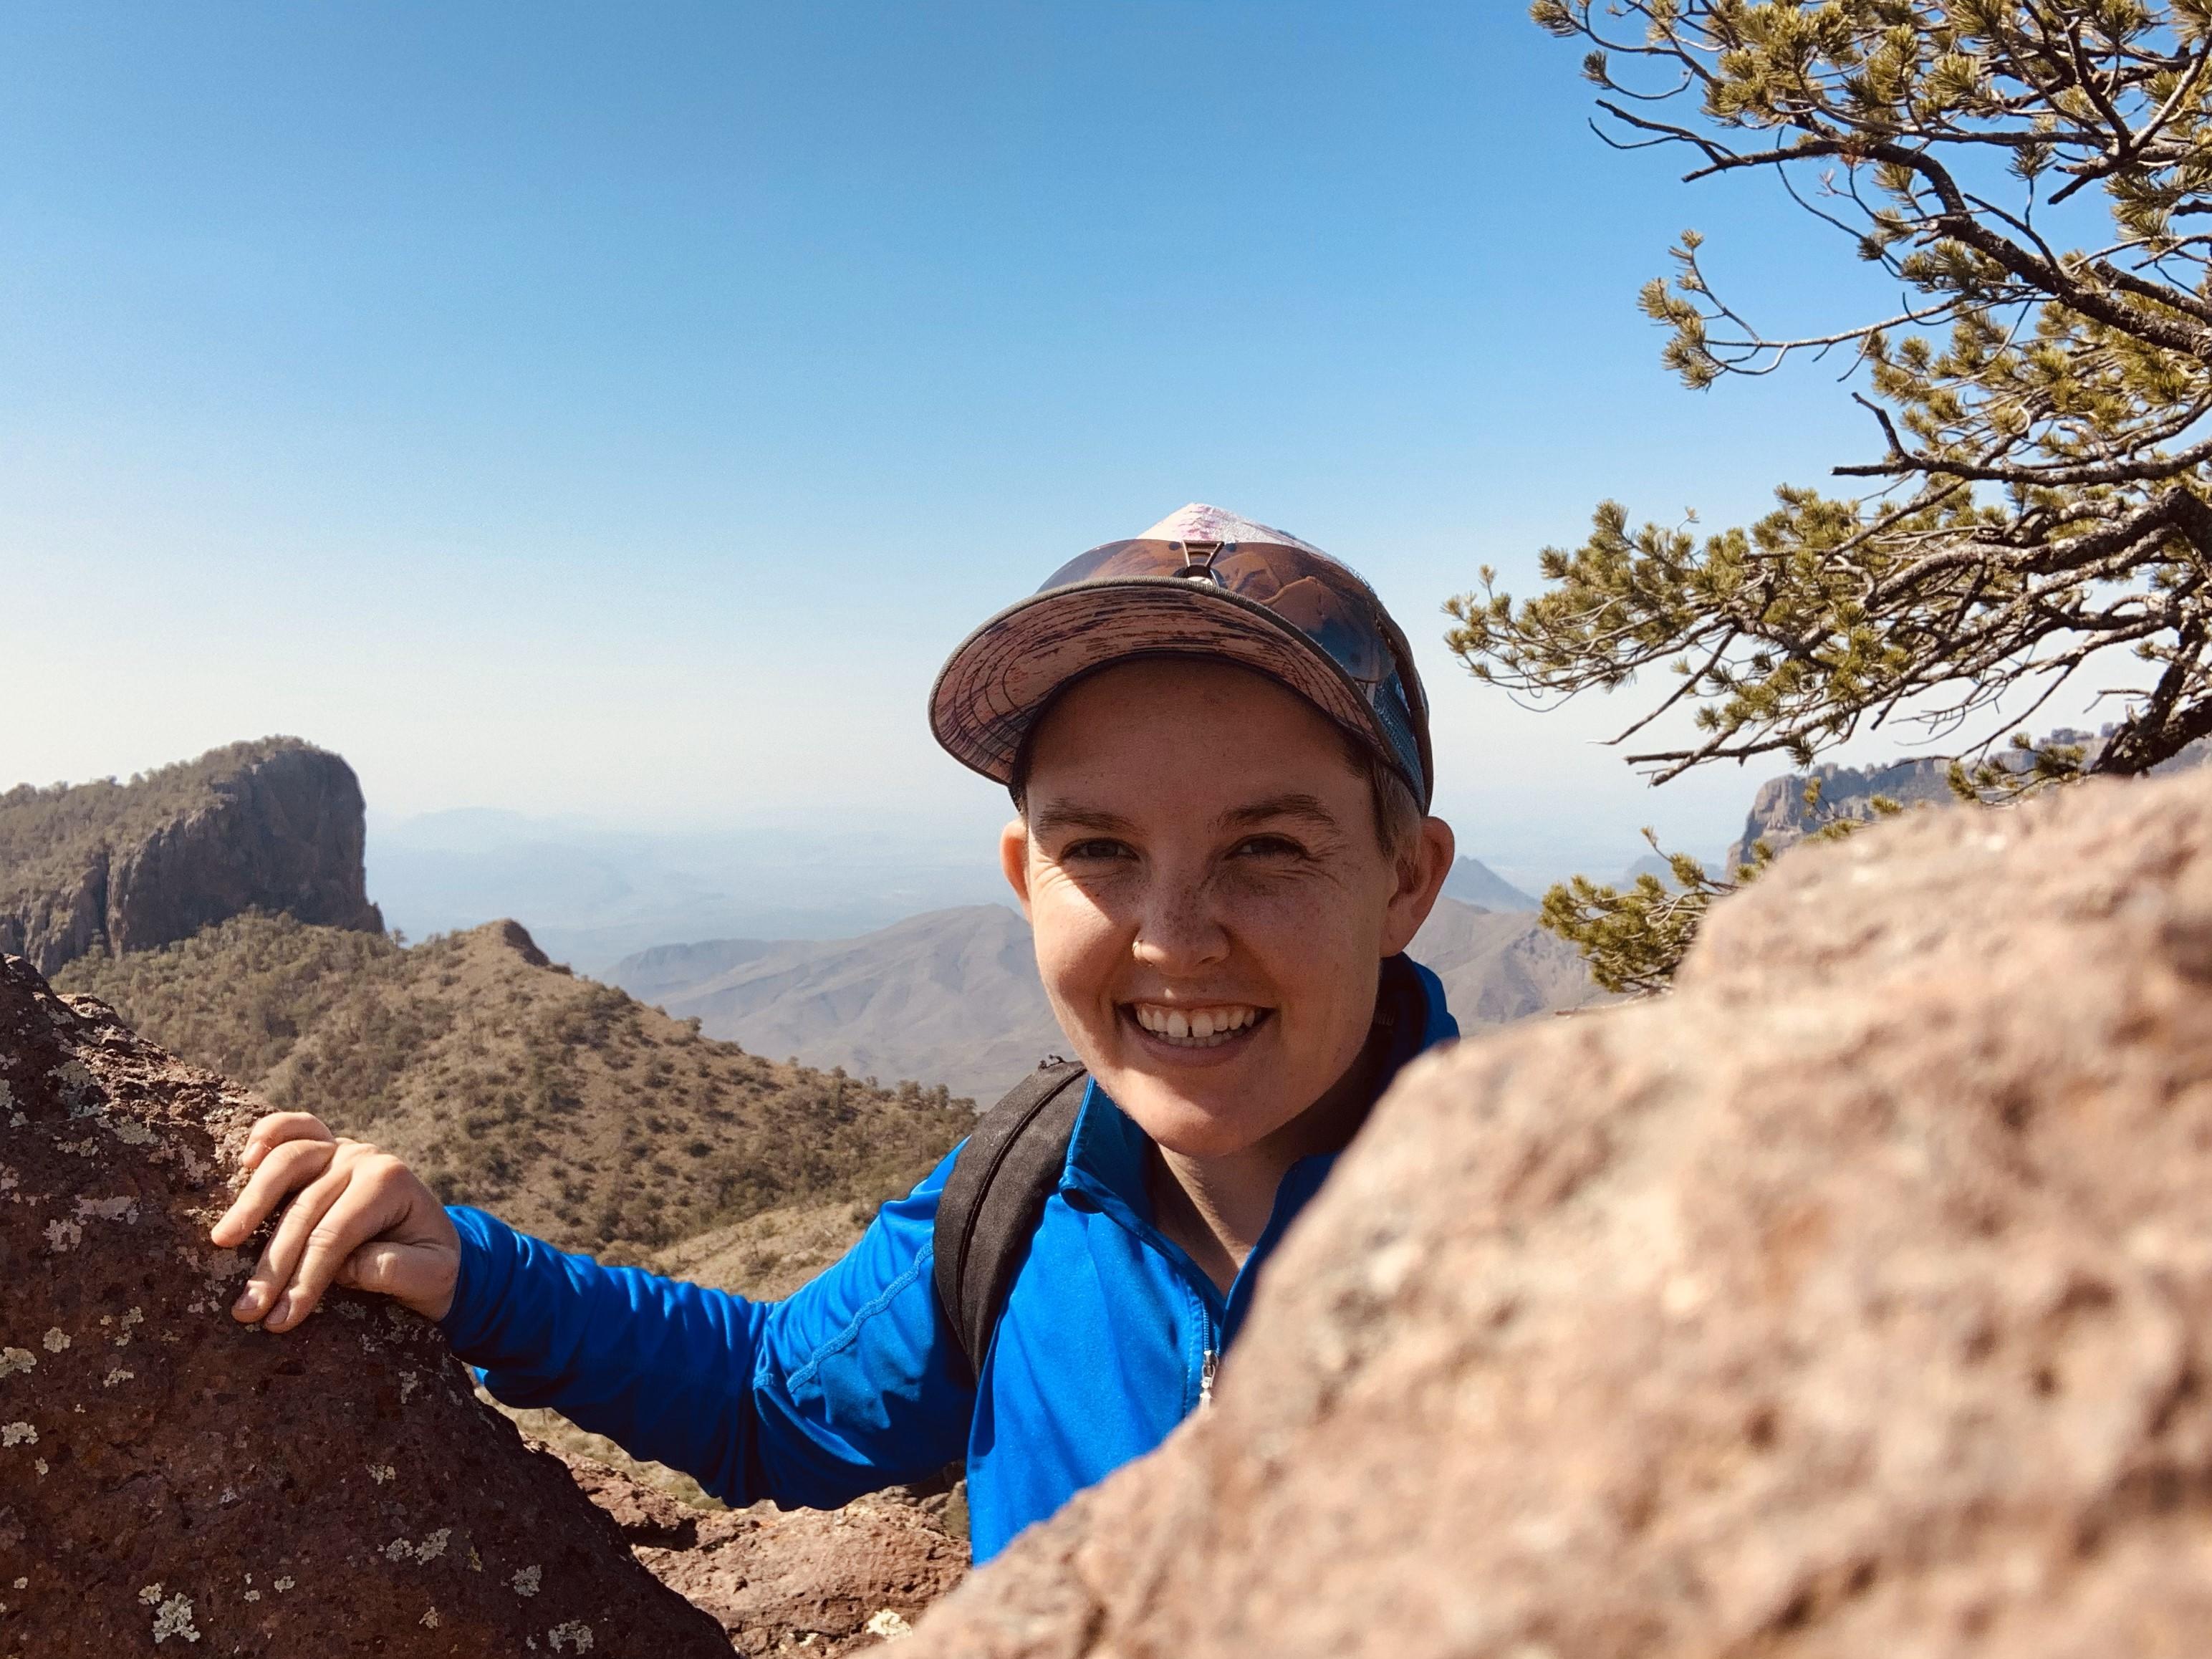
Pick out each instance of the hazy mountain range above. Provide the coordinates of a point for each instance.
(590, 895)
(953, 995)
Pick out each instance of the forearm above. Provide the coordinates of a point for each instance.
(663, 1369)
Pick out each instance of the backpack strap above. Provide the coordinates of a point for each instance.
(996, 1193)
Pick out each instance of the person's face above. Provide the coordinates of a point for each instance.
(1211, 902)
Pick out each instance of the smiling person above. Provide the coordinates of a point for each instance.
(1217, 750)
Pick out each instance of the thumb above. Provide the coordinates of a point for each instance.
(414, 1275)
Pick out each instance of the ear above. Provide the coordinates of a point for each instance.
(1421, 878)
(1014, 860)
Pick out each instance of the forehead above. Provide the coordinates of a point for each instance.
(1216, 721)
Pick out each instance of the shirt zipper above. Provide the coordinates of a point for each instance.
(1206, 1379)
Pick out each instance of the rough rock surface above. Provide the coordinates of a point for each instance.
(169, 1479)
(819, 1582)
(277, 826)
(1855, 1299)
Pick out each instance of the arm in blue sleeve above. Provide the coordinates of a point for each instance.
(851, 1384)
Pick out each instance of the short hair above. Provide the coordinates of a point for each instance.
(1397, 810)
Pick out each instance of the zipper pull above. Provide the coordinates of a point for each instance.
(1206, 1379)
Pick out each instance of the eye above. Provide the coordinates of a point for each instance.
(1098, 848)
(1269, 847)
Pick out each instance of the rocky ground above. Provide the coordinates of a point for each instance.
(819, 1582)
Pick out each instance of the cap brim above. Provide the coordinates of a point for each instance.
(1004, 673)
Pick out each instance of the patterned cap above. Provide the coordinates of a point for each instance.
(1202, 582)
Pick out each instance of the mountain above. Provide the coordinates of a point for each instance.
(591, 893)
(950, 994)
(1780, 818)
(569, 1108)
(109, 867)
(1472, 882)
(1499, 966)
(954, 994)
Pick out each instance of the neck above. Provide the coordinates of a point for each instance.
(1217, 1207)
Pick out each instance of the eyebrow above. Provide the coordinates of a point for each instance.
(1055, 815)
(1062, 815)
(1308, 808)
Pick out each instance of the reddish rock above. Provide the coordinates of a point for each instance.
(1855, 1299)
(172, 1481)
(814, 1580)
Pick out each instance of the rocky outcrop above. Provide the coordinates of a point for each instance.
(170, 1479)
(820, 1582)
(1856, 1299)
(277, 826)
(1781, 816)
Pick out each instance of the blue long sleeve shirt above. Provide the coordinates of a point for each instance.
(856, 1382)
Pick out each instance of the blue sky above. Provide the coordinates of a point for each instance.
(620, 412)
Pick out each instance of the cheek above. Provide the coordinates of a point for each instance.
(1078, 942)
(1305, 933)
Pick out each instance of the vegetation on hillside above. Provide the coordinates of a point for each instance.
(48, 836)
(567, 1107)
(2031, 178)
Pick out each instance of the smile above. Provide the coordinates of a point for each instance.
(1197, 1027)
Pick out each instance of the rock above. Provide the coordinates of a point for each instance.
(1856, 1299)
(1780, 818)
(820, 1582)
(276, 826)
(169, 1478)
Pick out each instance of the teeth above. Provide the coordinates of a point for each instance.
(1204, 1027)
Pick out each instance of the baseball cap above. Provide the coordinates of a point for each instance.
(1202, 582)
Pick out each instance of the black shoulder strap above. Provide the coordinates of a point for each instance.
(996, 1192)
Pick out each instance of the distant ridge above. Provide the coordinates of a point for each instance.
(1472, 882)
(104, 868)
(950, 995)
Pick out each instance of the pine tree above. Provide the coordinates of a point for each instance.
(2032, 174)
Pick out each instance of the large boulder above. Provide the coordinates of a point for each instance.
(1855, 1299)
(169, 1478)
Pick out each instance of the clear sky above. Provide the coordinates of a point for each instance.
(621, 410)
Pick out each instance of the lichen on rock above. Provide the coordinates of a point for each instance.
(146, 1495)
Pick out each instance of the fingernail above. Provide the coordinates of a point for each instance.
(280, 1312)
(248, 1300)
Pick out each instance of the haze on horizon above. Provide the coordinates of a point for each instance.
(598, 415)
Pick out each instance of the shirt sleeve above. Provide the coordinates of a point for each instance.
(850, 1384)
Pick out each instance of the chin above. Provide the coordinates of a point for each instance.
(1184, 1121)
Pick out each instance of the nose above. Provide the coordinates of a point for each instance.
(1179, 933)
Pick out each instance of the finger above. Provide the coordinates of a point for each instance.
(288, 1166)
(362, 1211)
(380, 1266)
(277, 1127)
(264, 1295)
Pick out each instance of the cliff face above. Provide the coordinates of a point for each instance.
(276, 826)
(1779, 817)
